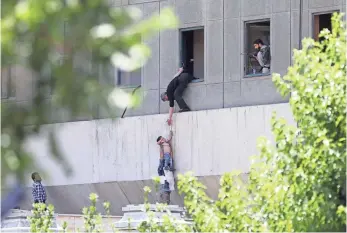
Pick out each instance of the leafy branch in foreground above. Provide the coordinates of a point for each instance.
(64, 50)
(42, 218)
(300, 183)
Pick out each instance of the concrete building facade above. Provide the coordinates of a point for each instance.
(116, 159)
(224, 31)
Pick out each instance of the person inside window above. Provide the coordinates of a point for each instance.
(263, 55)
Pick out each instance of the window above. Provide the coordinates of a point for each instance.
(321, 21)
(192, 51)
(128, 79)
(8, 85)
(254, 31)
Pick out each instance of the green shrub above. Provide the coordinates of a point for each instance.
(299, 182)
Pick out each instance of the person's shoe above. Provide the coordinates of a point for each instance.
(184, 110)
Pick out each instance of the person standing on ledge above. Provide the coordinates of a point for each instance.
(175, 91)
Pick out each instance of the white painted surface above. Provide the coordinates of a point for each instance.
(208, 142)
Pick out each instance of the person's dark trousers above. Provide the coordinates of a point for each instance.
(161, 168)
(165, 197)
(183, 81)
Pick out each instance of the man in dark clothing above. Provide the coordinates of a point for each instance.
(175, 91)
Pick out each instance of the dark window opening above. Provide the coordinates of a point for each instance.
(321, 22)
(128, 79)
(193, 51)
(257, 30)
(8, 85)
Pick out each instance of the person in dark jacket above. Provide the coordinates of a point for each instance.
(175, 91)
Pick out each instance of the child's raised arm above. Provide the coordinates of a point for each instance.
(170, 136)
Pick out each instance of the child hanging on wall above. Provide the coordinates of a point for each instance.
(166, 154)
(166, 161)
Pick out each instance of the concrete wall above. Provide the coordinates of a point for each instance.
(76, 222)
(117, 159)
(224, 84)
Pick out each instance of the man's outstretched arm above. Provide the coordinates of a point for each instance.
(171, 111)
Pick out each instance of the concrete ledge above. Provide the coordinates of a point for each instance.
(70, 199)
(123, 150)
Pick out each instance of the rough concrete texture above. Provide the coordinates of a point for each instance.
(117, 159)
(126, 150)
(76, 222)
(70, 199)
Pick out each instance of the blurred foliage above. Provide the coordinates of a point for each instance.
(49, 41)
(298, 184)
(166, 224)
(92, 218)
(42, 218)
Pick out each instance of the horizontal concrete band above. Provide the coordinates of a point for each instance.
(208, 143)
(70, 199)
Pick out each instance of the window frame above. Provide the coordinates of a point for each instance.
(180, 41)
(245, 47)
(314, 14)
(11, 85)
(117, 78)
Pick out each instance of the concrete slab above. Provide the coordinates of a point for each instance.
(151, 69)
(112, 193)
(204, 96)
(259, 91)
(214, 55)
(232, 94)
(280, 47)
(255, 7)
(70, 199)
(189, 11)
(169, 57)
(149, 104)
(232, 9)
(295, 40)
(140, 1)
(212, 182)
(232, 53)
(214, 9)
(321, 3)
(281, 6)
(132, 191)
(106, 150)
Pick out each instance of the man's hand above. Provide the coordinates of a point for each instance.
(169, 121)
